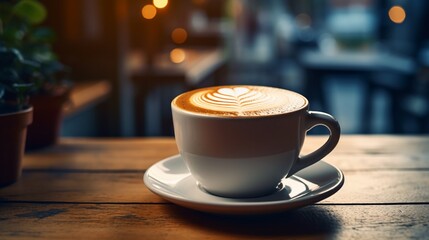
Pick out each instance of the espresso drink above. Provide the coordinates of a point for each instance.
(240, 101)
(240, 141)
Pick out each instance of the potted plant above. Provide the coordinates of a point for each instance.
(16, 114)
(20, 29)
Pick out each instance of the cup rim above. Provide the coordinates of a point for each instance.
(214, 116)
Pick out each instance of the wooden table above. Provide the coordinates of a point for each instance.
(198, 67)
(363, 65)
(93, 189)
(87, 94)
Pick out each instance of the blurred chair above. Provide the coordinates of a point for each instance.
(398, 80)
(391, 68)
(415, 106)
(200, 67)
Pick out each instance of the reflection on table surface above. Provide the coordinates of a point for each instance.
(95, 187)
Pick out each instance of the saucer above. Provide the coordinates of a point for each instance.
(171, 179)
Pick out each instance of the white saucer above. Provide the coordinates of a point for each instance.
(170, 179)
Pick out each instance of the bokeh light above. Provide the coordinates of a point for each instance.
(397, 14)
(149, 11)
(177, 55)
(160, 3)
(179, 35)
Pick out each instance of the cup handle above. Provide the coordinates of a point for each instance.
(313, 119)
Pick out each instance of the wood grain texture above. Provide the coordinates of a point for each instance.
(166, 221)
(106, 154)
(93, 188)
(375, 152)
(352, 153)
(359, 188)
(85, 94)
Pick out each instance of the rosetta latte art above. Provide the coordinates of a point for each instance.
(246, 100)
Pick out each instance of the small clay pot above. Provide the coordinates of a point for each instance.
(48, 116)
(13, 129)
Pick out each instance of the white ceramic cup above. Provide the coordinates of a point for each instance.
(247, 156)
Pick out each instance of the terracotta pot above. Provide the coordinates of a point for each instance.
(48, 116)
(13, 129)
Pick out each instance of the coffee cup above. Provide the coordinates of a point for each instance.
(240, 141)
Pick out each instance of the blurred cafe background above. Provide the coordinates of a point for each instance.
(364, 61)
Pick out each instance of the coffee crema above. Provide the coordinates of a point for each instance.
(240, 101)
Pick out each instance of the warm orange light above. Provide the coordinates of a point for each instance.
(177, 55)
(397, 14)
(179, 35)
(160, 3)
(149, 11)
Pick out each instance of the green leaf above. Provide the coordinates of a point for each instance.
(42, 35)
(8, 56)
(31, 11)
(22, 87)
(8, 76)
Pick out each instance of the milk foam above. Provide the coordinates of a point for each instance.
(241, 101)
